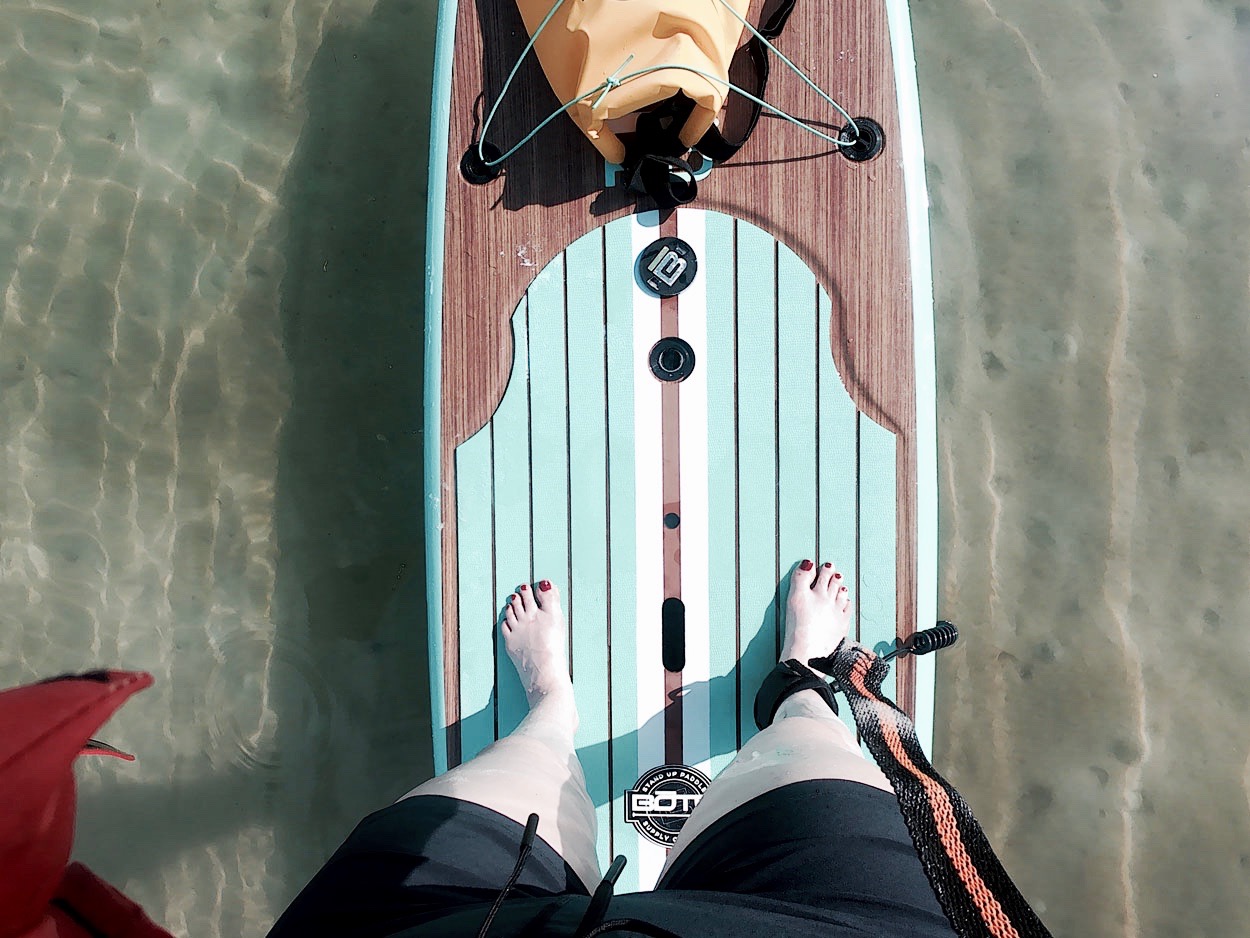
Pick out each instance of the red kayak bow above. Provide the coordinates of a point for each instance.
(43, 728)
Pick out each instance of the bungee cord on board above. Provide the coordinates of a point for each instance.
(484, 159)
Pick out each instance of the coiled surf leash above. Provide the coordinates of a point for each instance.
(970, 883)
(942, 635)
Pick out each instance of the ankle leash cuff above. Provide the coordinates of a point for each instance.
(789, 677)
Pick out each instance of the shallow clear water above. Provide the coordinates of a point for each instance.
(210, 461)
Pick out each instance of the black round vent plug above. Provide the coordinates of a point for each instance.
(672, 359)
(862, 147)
(475, 170)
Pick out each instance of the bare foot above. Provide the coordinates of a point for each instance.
(535, 635)
(818, 613)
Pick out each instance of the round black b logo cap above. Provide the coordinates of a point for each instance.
(666, 266)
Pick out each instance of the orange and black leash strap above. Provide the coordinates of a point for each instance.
(967, 877)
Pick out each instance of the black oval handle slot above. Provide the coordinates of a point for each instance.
(673, 634)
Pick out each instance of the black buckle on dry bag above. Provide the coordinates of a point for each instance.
(654, 161)
(668, 180)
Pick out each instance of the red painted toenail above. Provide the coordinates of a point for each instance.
(524, 587)
(841, 589)
(806, 565)
(544, 585)
(837, 576)
(828, 565)
(512, 597)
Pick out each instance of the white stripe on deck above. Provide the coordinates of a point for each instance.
(649, 538)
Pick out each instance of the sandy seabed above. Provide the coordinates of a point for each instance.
(212, 262)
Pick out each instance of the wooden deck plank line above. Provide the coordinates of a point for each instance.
(776, 602)
(589, 529)
(451, 608)
(697, 515)
(737, 305)
(718, 497)
(607, 506)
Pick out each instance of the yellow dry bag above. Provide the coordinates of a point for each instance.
(647, 51)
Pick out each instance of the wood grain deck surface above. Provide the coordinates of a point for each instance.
(847, 222)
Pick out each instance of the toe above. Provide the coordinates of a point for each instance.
(843, 598)
(802, 579)
(527, 598)
(547, 594)
(509, 617)
(826, 576)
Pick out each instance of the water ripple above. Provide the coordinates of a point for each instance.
(255, 679)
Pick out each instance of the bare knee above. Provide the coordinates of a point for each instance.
(802, 748)
(809, 709)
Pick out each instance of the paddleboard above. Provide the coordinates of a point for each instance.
(668, 456)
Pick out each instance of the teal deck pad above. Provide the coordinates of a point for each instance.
(777, 465)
